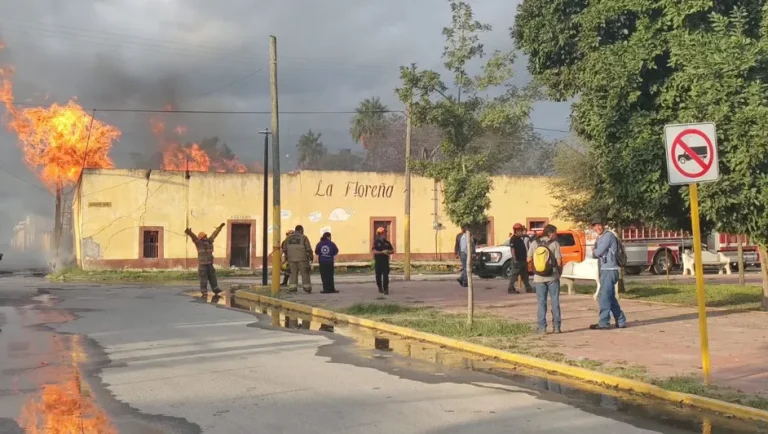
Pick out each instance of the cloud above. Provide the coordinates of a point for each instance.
(205, 55)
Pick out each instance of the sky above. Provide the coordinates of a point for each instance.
(213, 56)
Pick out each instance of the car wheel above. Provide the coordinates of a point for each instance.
(660, 263)
(506, 271)
(681, 159)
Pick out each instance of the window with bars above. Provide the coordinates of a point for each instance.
(151, 244)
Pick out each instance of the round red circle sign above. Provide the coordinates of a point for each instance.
(691, 155)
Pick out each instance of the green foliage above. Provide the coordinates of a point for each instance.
(369, 121)
(466, 116)
(311, 150)
(637, 65)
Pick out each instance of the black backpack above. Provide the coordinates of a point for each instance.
(621, 254)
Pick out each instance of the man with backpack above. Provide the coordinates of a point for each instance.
(611, 256)
(547, 262)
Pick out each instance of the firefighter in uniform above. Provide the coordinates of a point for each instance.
(284, 263)
(205, 270)
(298, 251)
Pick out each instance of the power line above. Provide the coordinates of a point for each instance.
(25, 181)
(112, 38)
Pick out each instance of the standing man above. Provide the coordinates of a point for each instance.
(205, 270)
(326, 250)
(547, 261)
(605, 250)
(519, 250)
(298, 252)
(382, 250)
(463, 252)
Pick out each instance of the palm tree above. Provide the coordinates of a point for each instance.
(311, 149)
(370, 119)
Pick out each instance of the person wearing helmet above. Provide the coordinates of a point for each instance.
(284, 263)
(299, 253)
(205, 269)
(382, 250)
(519, 248)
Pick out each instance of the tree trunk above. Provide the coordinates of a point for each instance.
(764, 272)
(470, 286)
(57, 223)
(742, 280)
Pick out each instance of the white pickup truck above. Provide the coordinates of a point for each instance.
(497, 260)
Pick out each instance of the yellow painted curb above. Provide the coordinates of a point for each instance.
(604, 380)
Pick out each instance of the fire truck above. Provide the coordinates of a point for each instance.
(656, 249)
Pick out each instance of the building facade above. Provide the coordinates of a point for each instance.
(136, 218)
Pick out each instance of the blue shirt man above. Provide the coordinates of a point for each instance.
(605, 250)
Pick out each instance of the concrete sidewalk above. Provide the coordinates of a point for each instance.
(662, 338)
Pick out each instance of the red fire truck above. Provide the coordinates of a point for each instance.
(656, 249)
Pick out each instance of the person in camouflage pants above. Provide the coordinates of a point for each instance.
(299, 253)
(205, 270)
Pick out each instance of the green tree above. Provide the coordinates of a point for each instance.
(311, 150)
(464, 116)
(636, 66)
(369, 121)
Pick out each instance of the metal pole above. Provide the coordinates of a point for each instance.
(407, 259)
(276, 231)
(265, 218)
(700, 294)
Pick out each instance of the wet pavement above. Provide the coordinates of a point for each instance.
(160, 362)
(662, 338)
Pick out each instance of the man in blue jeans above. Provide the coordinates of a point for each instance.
(548, 285)
(605, 250)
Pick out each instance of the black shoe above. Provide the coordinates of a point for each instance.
(329, 292)
(599, 327)
(513, 291)
(308, 290)
(386, 291)
(621, 327)
(381, 291)
(217, 291)
(204, 294)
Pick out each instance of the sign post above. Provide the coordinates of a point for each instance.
(691, 153)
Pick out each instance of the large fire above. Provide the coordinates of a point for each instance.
(190, 157)
(65, 405)
(57, 141)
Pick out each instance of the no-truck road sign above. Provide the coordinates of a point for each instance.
(691, 153)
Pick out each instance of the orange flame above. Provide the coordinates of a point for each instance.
(59, 140)
(190, 157)
(65, 407)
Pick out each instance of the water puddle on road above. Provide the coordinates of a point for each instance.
(42, 369)
(641, 411)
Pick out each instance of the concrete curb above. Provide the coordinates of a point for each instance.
(582, 374)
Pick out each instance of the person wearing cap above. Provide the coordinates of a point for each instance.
(382, 250)
(605, 250)
(519, 249)
(205, 269)
(284, 263)
(298, 251)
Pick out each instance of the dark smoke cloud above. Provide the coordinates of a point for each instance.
(197, 54)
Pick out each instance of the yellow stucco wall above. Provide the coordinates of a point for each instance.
(111, 205)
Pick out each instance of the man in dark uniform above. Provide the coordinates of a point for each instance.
(382, 249)
(519, 249)
(205, 270)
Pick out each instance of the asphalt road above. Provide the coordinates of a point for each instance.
(160, 362)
